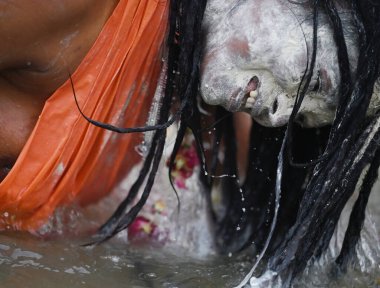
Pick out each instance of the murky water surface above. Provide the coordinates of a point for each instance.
(29, 261)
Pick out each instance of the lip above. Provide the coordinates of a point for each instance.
(239, 98)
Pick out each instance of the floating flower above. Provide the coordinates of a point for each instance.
(141, 227)
(185, 162)
(158, 207)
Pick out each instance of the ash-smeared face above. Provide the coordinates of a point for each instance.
(256, 53)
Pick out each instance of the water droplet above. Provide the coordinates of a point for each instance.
(146, 276)
(142, 149)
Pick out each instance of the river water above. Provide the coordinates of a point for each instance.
(58, 260)
(26, 261)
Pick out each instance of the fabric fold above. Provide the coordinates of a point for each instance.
(66, 158)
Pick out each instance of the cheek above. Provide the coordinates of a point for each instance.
(238, 47)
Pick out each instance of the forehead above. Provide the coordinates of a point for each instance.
(216, 10)
(220, 8)
(247, 17)
(263, 26)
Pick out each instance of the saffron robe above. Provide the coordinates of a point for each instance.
(66, 158)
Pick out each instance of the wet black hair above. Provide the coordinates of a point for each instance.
(181, 82)
(308, 174)
(311, 173)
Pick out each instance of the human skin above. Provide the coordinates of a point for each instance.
(42, 42)
(263, 40)
(260, 49)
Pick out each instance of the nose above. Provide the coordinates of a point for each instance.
(281, 109)
(274, 111)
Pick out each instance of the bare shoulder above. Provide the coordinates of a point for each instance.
(39, 36)
(25, 24)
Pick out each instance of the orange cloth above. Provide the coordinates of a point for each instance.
(67, 159)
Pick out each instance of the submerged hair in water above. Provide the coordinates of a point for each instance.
(351, 146)
(320, 169)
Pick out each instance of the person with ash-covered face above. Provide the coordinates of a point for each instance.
(307, 73)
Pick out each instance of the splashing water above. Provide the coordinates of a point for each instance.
(364, 269)
(31, 262)
(52, 260)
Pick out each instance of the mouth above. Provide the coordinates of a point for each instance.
(244, 98)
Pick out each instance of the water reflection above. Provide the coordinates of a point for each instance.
(29, 262)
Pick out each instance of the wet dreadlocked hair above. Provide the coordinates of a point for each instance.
(351, 146)
(309, 174)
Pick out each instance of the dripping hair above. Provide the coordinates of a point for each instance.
(352, 146)
(310, 174)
